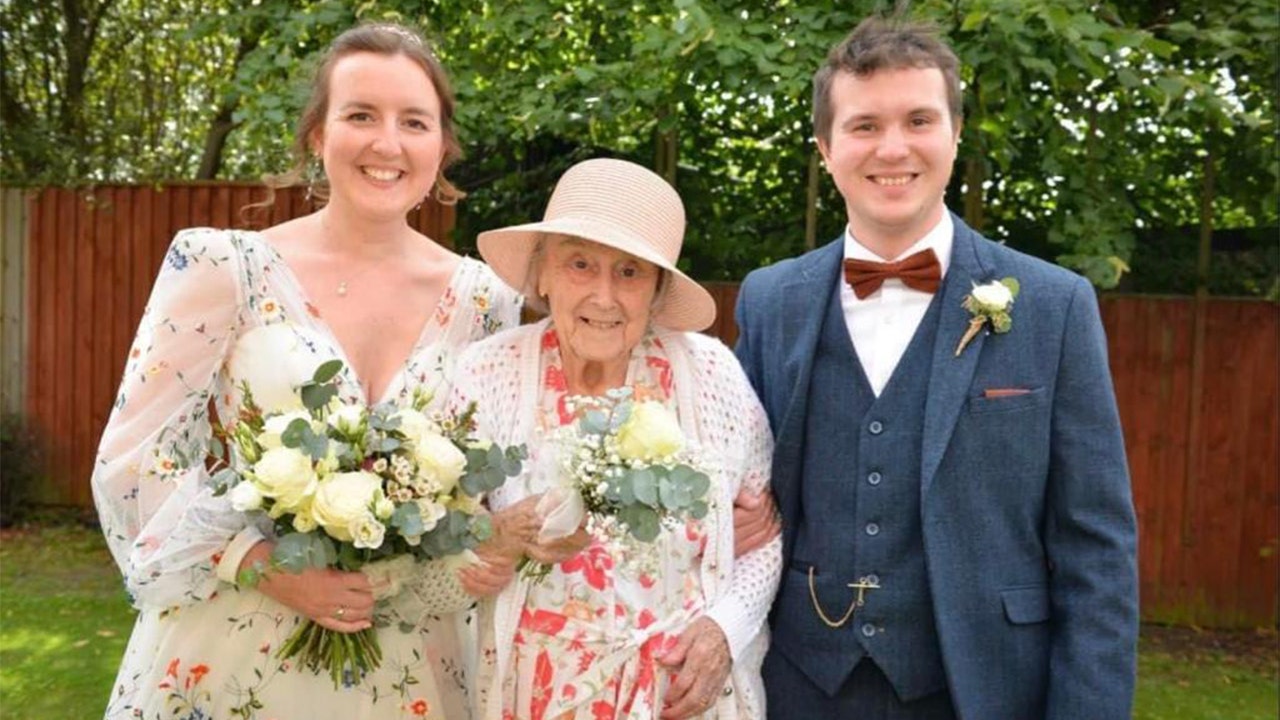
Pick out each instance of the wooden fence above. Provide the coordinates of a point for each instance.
(1200, 425)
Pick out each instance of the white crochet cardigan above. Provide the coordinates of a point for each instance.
(720, 414)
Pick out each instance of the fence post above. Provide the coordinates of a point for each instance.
(13, 296)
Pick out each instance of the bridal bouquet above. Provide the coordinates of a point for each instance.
(353, 487)
(623, 467)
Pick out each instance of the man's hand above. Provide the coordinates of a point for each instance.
(701, 654)
(755, 521)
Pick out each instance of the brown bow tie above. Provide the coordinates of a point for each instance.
(920, 271)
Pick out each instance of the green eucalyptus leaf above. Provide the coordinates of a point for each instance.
(644, 484)
(315, 397)
(327, 371)
(294, 436)
(642, 522)
(224, 480)
(297, 551)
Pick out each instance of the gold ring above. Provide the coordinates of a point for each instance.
(340, 612)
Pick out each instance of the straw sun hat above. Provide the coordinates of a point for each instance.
(618, 204)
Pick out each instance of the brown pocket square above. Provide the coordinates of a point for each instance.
(1004, 392)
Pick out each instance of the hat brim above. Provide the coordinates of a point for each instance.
(686, 306)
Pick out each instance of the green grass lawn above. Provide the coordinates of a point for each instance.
(64, 622)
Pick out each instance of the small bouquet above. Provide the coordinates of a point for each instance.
(623, 467)
(346, 485)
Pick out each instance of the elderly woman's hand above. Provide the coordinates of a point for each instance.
(755, 521)
(514, 527)
(553, 552)
(701, 654)
(494, 572)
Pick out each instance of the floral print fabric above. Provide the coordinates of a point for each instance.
(203, 648)
(590, 634)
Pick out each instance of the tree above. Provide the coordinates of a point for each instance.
(1087, 124)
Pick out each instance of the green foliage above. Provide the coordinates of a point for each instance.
(1086, 123)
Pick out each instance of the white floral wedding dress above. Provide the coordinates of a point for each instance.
(203, 648)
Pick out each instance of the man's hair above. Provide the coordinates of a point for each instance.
(884, 44)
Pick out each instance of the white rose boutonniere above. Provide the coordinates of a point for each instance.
(989, 303)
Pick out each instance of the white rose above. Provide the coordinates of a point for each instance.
(245, 496)
(274, 364)
(652, 432)
(413, 423)
(274, 426)
(367, 532)
(994, 296)
(440, 462)
(285, 475)
(344, 498)
(384, 508)
(328, 464)
(465, 503)
(431, 513)
(347, 419)
(304, 521)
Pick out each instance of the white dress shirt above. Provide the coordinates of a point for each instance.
(882, 324)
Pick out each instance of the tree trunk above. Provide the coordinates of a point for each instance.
(82, 19)
(223, 123)
(974, 209)
(811, 202)
(664, 154)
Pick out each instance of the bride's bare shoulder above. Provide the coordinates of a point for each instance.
(291, 232)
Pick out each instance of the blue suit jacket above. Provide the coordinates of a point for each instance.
(1026, 507)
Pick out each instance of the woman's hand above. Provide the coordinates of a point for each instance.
(701, 655)
(755, 521)
(336, 600)
(513, 528)
(554, 552)
(489, 576)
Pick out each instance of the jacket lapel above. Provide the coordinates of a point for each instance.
(951, 376)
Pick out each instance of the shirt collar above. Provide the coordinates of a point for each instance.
(938, 239)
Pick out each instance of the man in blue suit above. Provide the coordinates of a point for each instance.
(957, 520)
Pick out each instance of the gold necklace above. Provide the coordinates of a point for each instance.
(344, 284)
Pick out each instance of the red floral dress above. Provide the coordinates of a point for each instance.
(591, 632)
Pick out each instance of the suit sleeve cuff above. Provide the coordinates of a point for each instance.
(229, 564)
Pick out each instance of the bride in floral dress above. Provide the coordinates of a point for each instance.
(354, 282)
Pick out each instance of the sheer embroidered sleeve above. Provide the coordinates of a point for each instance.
(164, 527)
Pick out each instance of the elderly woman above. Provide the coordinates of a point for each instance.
(596, 638)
